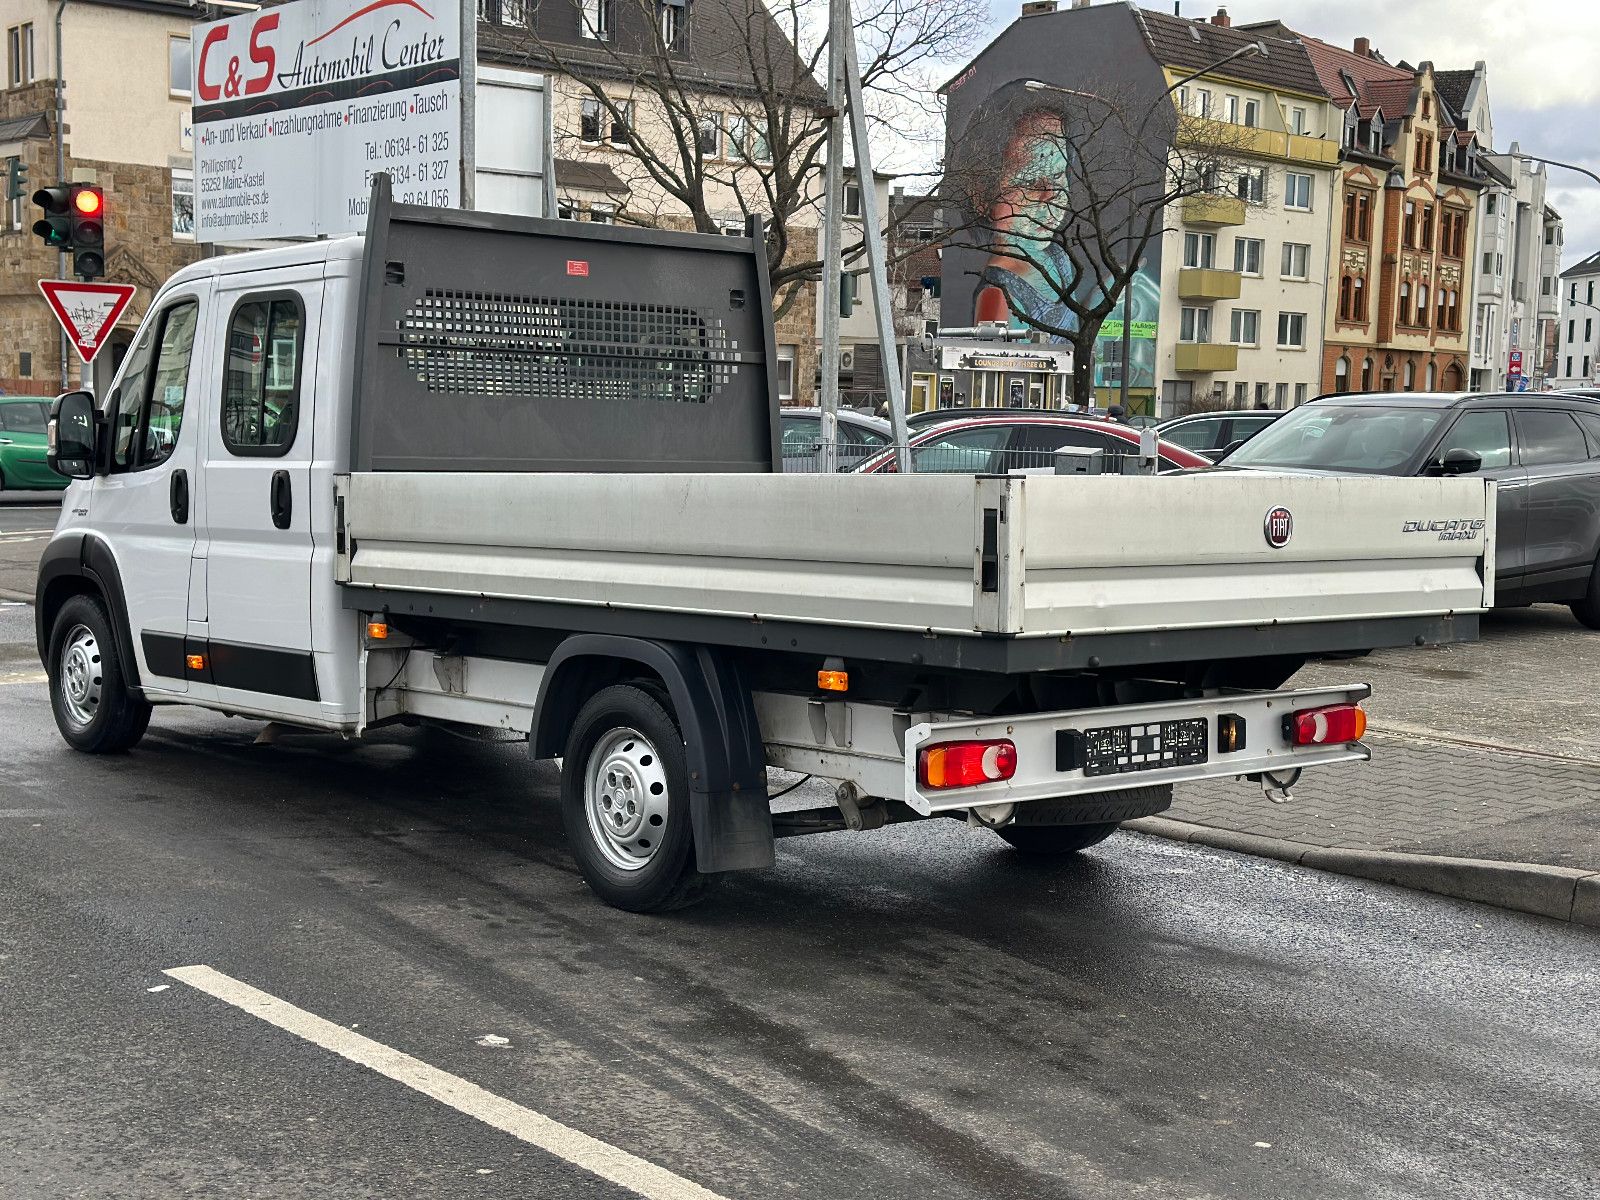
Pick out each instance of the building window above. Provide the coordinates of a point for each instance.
(1569, 366)
(1252, 186)
(1488, 268)
(594, 20)
(1247, 256)
(670, 17)
(1184, 100)
(1230, 110)
(1427, 105)
(25, 364)
(1297, 191)
(1591, 292)
(852, 199)
(738, 137)
(1205, 101)
(1427, 227)
(1422, 305)
(1410, 376)
(1408, 235)
(785, 373)
(589, 121)
(1301, 391)
(760, 147)
(1252, 114)
(1586, 366)
(1366, 374)
(1199, 250)
(183, 205)
(1549, 235)
(1345, 297)
(179, 77)
(1433, 376)
(1341, 374)
(1588, 330)
(1491, 204)
(1297, 121)
(711, 135)
(621, 123)
(1195, 325)
(566, 210)
(1280, 396)
(603, 214)
(19, 56)
(1244, 327)
(1572, 329)
(1240, 391)
(1291, 331)
(1296, 260)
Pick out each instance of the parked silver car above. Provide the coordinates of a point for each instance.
(860, 437)
(1210, 433)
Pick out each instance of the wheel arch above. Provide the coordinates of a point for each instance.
(728, 799)
(79, 564)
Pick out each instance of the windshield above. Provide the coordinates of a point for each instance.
(1326, 437)
(24, 417)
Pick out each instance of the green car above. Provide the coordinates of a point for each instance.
(22, 465)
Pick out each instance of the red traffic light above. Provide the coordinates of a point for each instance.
(88, 203)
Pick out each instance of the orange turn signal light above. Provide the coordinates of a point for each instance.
(833, 681)
(377, 630)
(196, 662)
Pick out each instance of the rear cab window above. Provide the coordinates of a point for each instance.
(261, 375)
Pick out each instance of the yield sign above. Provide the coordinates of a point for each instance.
(87, 311)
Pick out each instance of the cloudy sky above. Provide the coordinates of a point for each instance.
(1543, 59)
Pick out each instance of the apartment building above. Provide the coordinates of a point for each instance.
(1578, 348)
(1244, 270)
(127, 130)
(1404, 248)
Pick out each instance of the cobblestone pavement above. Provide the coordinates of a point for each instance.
(1484, 750)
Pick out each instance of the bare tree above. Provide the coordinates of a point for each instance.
(720, 112)
(1062, 192)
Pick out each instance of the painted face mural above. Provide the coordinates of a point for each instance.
(1027, 269)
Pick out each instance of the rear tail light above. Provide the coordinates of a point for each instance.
(966, 764)
(1326, 726)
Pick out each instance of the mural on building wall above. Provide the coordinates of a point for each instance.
(1013, 264)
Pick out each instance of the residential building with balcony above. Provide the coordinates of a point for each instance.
(1406, 198)
(1517, 255)
(1578, 347)
(1244, 268)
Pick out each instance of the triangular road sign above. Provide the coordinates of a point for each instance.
(87, 311)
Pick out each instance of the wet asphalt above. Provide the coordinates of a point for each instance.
(912, 1013)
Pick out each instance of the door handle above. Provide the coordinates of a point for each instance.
(179, 496)
(282, 500)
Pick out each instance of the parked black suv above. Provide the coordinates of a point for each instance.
(1542, 448)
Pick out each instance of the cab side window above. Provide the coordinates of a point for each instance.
(1550, 437)
(155, 383)
(1486, 434)
(261, 377)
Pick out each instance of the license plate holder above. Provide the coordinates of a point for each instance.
(1150, 746)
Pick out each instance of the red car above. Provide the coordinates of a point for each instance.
(979, 445)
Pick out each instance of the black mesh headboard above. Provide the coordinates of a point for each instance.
(499, 343)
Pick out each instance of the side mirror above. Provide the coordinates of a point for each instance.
(70, 436)
(1229, 448)
(1457, 460)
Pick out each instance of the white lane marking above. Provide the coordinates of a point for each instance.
(592, 1155)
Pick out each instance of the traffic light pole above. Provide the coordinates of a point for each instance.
(61, 172)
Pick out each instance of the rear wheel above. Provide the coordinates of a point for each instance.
(625, 803)
(1587, 610)
(1045, 841)
(94, 709)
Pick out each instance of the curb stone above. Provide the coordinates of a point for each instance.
(1561, 893)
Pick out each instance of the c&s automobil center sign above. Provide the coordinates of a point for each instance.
(296, 106)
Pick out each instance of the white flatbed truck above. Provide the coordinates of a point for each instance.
(523, 475)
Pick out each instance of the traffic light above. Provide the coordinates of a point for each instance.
(55, 227)
(16, 179)
(88, 206)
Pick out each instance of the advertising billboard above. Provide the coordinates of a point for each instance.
(298, 105)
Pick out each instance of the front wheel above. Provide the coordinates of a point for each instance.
(625, 803)
(1049, 841)
(94, 708)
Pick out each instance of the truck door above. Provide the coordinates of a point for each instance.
(1487, 433)
(257, 481)
(145, 505)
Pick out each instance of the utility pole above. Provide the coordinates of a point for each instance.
(61, 171)
(844, 96)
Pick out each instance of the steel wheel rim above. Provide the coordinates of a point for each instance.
(82, 682)
(625, 798)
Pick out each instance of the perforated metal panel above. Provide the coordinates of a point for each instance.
(494, 343)
(554, 348)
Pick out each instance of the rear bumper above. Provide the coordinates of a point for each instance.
(1048, 767)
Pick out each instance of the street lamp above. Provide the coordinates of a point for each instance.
(1038, 85)
(1557, 163)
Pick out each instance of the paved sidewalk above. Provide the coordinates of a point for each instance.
(1485, 750)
